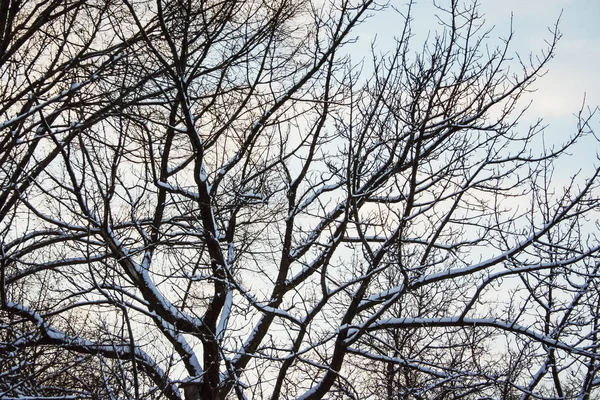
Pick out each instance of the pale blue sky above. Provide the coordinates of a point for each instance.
(574, 70)
(573, 73)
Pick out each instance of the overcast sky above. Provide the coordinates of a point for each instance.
(573, 73)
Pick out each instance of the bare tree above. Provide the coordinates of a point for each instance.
(211, 199)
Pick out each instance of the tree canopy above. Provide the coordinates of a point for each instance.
(210, 199)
